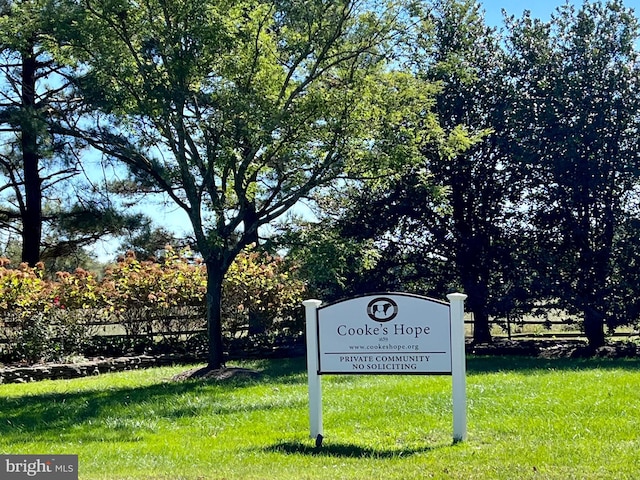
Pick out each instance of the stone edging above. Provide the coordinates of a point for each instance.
(89, 368)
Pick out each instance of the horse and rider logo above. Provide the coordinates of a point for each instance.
(382, 309)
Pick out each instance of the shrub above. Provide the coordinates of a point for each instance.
(159, 304)
(261, 297)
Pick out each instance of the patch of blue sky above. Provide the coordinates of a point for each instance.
(541, 9)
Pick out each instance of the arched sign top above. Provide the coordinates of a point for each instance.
(383, 294)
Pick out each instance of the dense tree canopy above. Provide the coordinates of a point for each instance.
(577, 81)
(47, 199)
(540, 209)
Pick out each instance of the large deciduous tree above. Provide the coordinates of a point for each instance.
(467, 60)
(577, 81)
(371, 236)
(235, 109)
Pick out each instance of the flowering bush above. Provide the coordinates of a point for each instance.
(174, 281)
(23, 291)
(260, 294)
(44, 320)
(25, 297)
(144, 295)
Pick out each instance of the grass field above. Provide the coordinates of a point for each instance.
(527, 419)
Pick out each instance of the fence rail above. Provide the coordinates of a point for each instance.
(94, 333)
(507, 329)
(156, 328)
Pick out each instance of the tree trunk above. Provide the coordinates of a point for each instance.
(481, 327)
(215, 276)
(472, 253)
(473, 269)
(594, 327)
(477, 304)
(32, 212)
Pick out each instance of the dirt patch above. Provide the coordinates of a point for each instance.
(220, 374)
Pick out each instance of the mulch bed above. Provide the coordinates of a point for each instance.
(221, 374)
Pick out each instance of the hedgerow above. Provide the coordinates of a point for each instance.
(152, 302)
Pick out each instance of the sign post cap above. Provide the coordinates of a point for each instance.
(457, 296)
(311, 303)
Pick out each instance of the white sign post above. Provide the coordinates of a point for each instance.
(387, 333)
(458, 367)
(315, 384)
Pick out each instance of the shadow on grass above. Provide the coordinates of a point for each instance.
(535, 365)
(284, 370)
(126, 413)
(347, 450)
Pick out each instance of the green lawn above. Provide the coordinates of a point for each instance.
(527, 418)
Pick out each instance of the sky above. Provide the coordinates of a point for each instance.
(541, 9)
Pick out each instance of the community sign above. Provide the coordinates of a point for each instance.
(385, 334)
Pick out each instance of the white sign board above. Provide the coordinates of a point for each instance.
(385, 334)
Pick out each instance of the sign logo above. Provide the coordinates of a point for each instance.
(382, 309)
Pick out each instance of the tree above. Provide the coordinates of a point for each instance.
(21, 116)
(466, 59)
(369, 234)
(236, 110)
(46, 196)
(446, 225)
(576, 107)
(333, 264)
(148, 241)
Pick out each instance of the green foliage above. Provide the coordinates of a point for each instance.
(431, 222)
(31, 317)
(575, 102)
(132, 284)
(23, 291)
(331, 264)
(149, 241)
(269, 101)
(238, 110)
(261, 294)
(454, 155)
(49, 197)
(526, 191)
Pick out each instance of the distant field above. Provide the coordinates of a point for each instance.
(528, 419)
